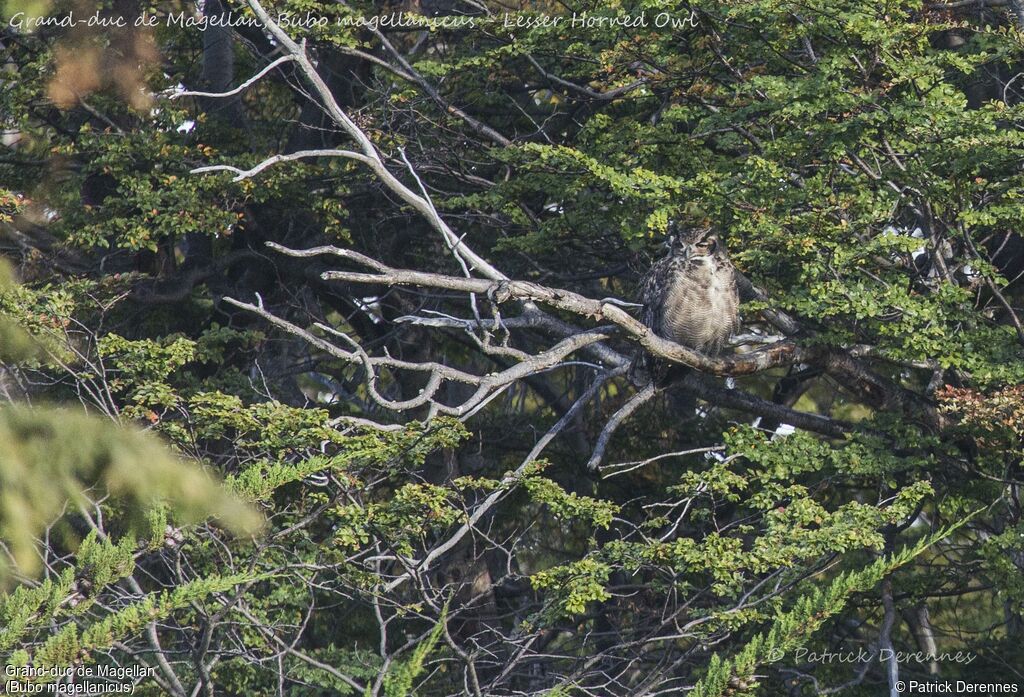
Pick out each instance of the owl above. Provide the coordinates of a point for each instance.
(690, 296)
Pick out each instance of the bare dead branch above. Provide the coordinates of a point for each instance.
(237, 90)
(624, 412)
(773, 355)
(368, 149)
(487, 386)
(271, 161)
(507, 482)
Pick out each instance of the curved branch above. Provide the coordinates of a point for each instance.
(241, 88)
(624, 412)
(270, 161)
(487, 386)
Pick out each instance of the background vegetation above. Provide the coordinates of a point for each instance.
(378, 280)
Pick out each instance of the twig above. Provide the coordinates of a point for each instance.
(270, 161)
(618, 468)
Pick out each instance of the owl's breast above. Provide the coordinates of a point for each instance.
(702, 307)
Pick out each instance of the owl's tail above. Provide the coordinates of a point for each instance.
(640, 372)
(646, 368)
(682, 404)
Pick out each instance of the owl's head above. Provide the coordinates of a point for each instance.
(695, 244)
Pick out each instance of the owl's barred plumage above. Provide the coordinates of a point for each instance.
(690, 297)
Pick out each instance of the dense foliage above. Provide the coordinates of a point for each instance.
(383, 291)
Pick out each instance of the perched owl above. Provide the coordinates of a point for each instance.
(690, 297)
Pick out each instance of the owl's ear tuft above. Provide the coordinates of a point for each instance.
(677, 242)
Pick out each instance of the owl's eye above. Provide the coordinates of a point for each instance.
(708, 245)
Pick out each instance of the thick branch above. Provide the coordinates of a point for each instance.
(774, 355)
(711, 391)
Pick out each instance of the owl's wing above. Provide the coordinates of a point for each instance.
(733, 293)
(653, 292)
